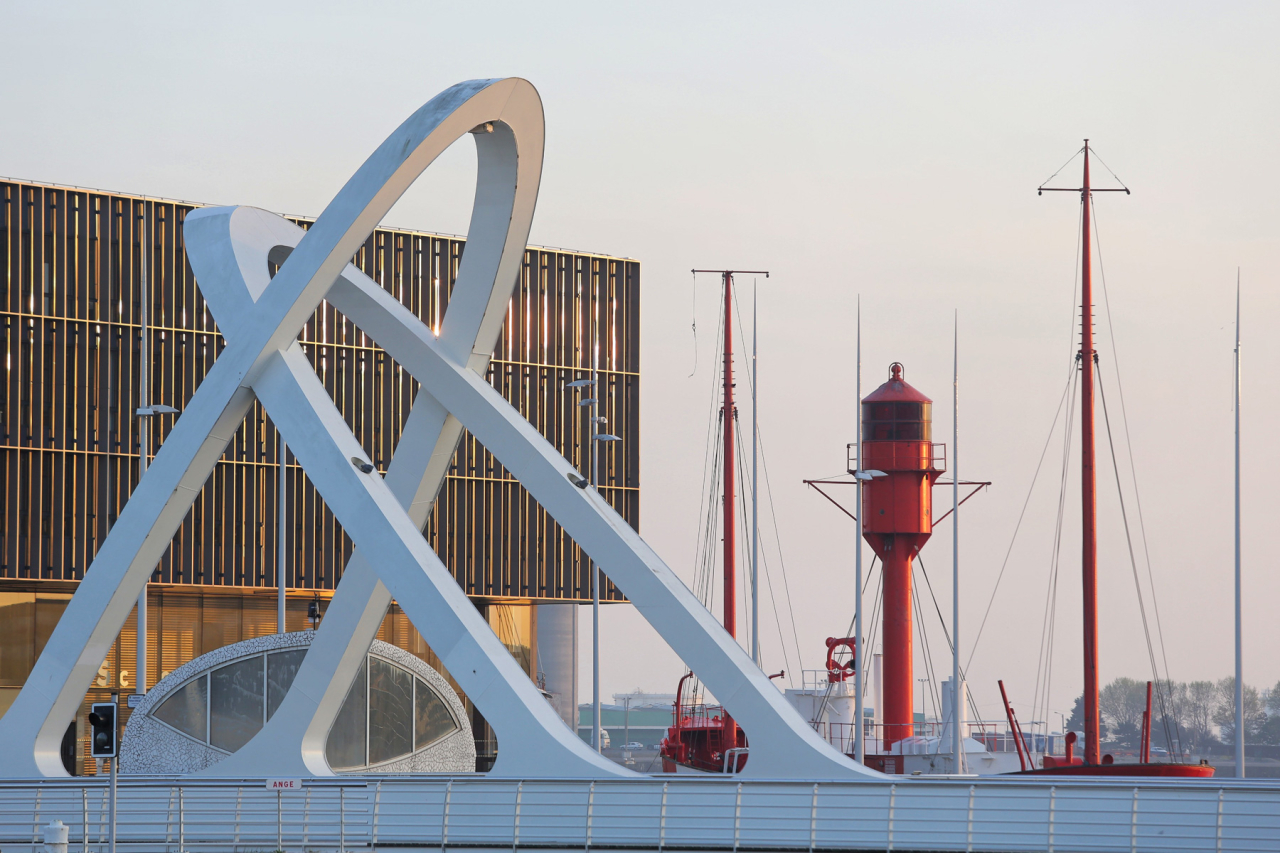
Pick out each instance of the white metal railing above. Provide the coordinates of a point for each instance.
(653, 813)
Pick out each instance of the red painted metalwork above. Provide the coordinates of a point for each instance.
(1088, 482)
(836, 671)
(1018, 743)
(1107, 768)
(730, 527)
(701, 735)
(896, 522)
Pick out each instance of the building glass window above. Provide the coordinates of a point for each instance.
(345, 748)
(282, 668)
(390, 711)
(432, 719)
(908, 421)
(187, 710)
(387, 714)
(236, 696)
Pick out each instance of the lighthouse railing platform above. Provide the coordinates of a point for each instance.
(919, 456)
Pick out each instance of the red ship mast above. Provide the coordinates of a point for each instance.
(730, 529)
(1088, 358)
(696, 744)
(1088, 484)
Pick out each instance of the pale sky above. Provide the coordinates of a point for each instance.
(891, 151)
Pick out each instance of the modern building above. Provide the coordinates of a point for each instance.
(102, 314)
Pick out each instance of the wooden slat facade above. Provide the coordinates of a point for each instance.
(71, 296)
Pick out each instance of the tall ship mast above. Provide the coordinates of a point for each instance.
(705, 737)
(1093, 762)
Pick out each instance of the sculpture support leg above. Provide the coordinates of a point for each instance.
(437, 606)
(785, 745)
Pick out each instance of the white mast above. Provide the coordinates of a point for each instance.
(957, 692)
(595, 569)
(282, 577)
(1239, 649)
(755, 486)
(144, 426)
(858, 656)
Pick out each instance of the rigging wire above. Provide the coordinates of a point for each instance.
(1075, 288)
(932, 678)
(964, 677)
(743, 482)
(1044, 658)
(709, 512)
(1113, 174)
(1021, 516)
(1133, 562)
(773, 515)
(1133, 470)
(841, 655)
(1046, 181)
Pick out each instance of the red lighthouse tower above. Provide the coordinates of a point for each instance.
(897, 519)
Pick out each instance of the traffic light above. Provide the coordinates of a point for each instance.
(102, 720)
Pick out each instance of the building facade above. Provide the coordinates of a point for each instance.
(84, 272)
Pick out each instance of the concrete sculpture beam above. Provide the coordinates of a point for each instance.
(261, 317)
(31, 732)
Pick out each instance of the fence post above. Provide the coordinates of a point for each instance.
(279, 820)
(1053, 803)
(182, 820)
(239, 795)
(813, 819)
(662, 819)
(737, 816)
(1218, 833)
(377, 803)
(342, 820)
(35, 824)
(591, 805)
(444, 828)
(893, 795)
(1133, 825)
(84, 805)
(515, 829)
(968, 846)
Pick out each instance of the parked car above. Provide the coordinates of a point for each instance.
(633, 745)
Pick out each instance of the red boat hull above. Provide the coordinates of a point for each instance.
(1113, 771)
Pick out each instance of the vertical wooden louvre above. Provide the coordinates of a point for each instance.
(71, 300)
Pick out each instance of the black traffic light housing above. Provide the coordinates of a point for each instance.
(102, 722)
(313, 611)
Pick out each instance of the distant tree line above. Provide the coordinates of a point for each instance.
(1197, 716)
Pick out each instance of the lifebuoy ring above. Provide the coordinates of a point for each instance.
(836, 671)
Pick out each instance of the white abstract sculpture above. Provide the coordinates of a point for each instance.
(260, 318)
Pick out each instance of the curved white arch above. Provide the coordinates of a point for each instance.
(228, 248)
(30, 733)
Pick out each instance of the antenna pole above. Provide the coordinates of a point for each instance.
(1088, 484)
(755, 481)
(1239, 640)
(957, 690)
(858, 678)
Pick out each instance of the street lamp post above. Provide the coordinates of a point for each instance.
(596, 422)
